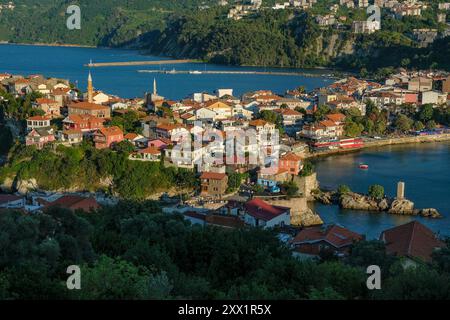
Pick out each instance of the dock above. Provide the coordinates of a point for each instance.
(138, 63)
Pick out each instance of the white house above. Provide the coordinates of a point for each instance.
(119, 106)
(205, 114)
(100, 98)
(147, 154)
(224, 92)
(38, 122)
(262, 214)
(433, 97)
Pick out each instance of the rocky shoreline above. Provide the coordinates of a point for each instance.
(356, 201)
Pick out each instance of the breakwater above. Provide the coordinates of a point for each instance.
(231, 72)
(137, 63)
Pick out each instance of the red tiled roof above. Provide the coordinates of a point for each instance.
(195, 215)
(4, 198)
(263, 210)
(336, 117)
(224, 221)
(168, 126)
(88, 106)
(131, 136)
(75, 203)
(327, 123)
(218, 102)
(45, 101)
(75, 118)
(213, 176)
(290, 112)
(258, 123)
(186, 116)
(39, 118)
(60, 91)
(73, 131)
(290, 157)
(22, 81)
(335, 235)
(412, 239)
(150, 150)
(110, 131)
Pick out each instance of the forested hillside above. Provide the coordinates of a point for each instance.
(134, 251)
(200, 29)
(104, 22)
(287, 39)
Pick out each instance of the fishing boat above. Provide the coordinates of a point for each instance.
(363, 166)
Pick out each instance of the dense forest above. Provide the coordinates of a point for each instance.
(286, 39)
(133, 251)
(281, 38)
(103, 22)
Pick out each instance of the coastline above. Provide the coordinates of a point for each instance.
(382, 143)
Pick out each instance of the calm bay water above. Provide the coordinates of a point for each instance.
(67, 62)
(425, 168)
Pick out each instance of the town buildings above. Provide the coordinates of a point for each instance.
(39, 137)
(90, 109)
(317, 240)
(213, 184)
(38, 122)
(108, 137)
(85, 123)
(259, 213)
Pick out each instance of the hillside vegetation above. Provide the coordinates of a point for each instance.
(281, 38)
(134, 251)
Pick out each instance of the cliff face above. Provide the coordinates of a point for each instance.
(238, 45)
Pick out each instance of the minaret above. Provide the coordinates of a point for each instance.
(155, 92)
(90, 93)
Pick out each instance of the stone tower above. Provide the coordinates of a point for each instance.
(401, 190)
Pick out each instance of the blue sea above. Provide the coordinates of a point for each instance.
(127, 82)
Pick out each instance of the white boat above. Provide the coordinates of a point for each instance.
(195, 72)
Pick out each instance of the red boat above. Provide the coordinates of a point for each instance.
(364, 166)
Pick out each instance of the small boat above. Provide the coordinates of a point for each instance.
(195, 72)
(364, 166)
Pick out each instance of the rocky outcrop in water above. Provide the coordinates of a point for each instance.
(306, 218)
(401, 206)
(357, 201)
(301, 214)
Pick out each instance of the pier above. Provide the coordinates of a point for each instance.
(138, 63)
